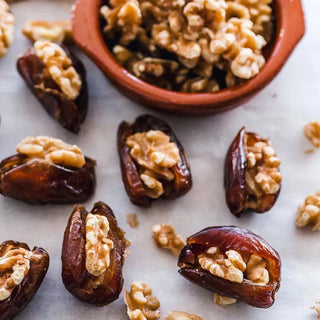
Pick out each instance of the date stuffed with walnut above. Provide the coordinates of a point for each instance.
(21, 274)
(93, 254)
(47, 170)
(153, 162)
(58, 79)
(252, 176)
(232, 262)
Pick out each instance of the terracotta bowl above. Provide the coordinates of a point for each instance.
(290, 28)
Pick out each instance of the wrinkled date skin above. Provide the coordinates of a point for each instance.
(40, 182)
(24, 292)
(69, 113)
(242, 241)
(74, 273)
(130, 171)
(235, 166)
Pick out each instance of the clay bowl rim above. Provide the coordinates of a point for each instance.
(87, 34)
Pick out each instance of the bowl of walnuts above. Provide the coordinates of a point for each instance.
(189, 57)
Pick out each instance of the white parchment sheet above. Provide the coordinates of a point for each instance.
(278, 112)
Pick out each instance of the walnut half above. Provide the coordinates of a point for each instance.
(52, 150)
(179, 315)
(141, 305)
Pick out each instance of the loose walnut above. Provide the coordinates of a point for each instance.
(312, 132)
(317, 308)
(165, 237)
(52, 150)
(98, 245)
(56, 31)
(179, 315)
(223, 300)
(199, 84)
(6, 27)
(155, 155)
(141, 305)
(309, 212)
(60, 67)
(15, 264)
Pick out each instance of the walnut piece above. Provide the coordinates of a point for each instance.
(165, 237)
(309, 212)
(15, 265)
(52, 150)
(179, 315)
(141, 305)
(6, 27)
(317, 308)
(132, 220)
(155, 155)
(98, 245)
(60, 67)
(262, 174)
(234, 266)
(312, 132)
(56, 31)
(223, 300)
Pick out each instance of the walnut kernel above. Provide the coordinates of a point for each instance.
(317, 308)
(312, 132)
(132, 220)
(141, 305)
(56, 31)
(60, 67)
(52, 150)
(165, 237)
(155, 155)
(6, 27)
(15, 265)
(179, 315)
(309, 212)
(223, 300)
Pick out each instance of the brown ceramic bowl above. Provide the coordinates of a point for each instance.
(87, 34)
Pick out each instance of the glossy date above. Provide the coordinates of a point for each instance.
(235, 240)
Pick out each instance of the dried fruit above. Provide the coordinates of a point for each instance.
(93, 254)
(232, 262)
(47, 170)
(58, 79)
(153, 162)
(22, 272)
(252, 176)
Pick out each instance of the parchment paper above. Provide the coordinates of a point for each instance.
(279, 112)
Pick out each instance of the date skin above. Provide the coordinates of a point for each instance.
(24, 292)
(130, 170)
(39, 182)
(69, 113)
(235, 166)
(74, 273)
(243, 241)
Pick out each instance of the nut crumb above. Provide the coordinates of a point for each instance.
(179, 315)
(132, 220)
(309, 151)
(141, 305)
(312, 132)
(165, 237)
(309, 212)
(52, 150)
(316, 307)
(223, 300)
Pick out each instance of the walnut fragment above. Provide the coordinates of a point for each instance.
(6, 27)
(309, 212)
(316, 307)
(132, 220)
(165, 237)
(56, 31)
(179, 315)
(141, 305)
(312, 132)
(223, 300)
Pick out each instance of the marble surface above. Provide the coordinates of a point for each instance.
(279, 112)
